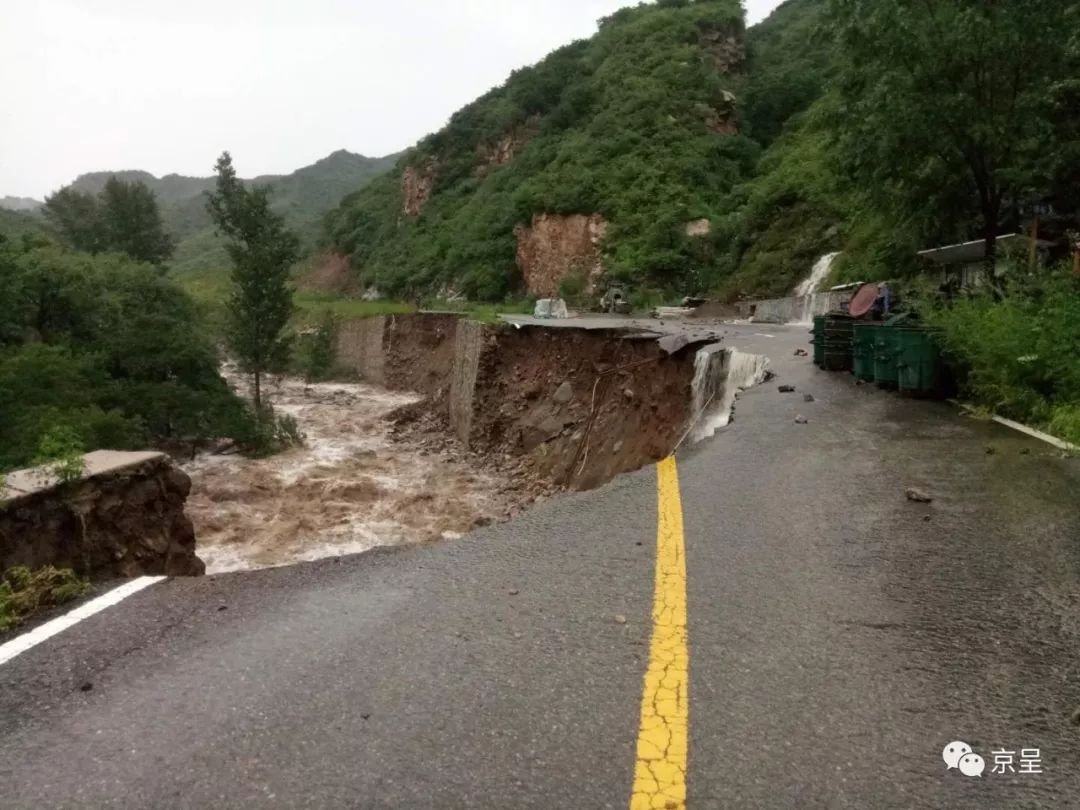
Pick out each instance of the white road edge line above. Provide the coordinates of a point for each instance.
(1037, 434)
(26, 641)
(1060, 444)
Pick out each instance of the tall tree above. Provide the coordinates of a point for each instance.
(124, 218)
(946, 104)
(262, 250)
(131, 222)
(77, 216)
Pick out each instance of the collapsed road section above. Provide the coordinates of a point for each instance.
(456, 424)
(570, 404)
(452, 424)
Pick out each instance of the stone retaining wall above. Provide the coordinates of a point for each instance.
(794, 309)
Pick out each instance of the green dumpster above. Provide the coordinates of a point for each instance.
(885, 371)
(819, 341)
(839, 330)
(863, 340)
(919, 367)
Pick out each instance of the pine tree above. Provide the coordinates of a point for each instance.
(262, 250)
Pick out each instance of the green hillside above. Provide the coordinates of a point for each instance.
(674, 152)
(302, 197)
(13, 224)
(636, 125)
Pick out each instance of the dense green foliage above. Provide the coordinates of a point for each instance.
(24, 591)
(13, 224)
(790, 61)
(316, 349)
(948, 112)
(262, 251)
(1019, 355)
(102, 351)
(629, 124)
(122, 218)
(937, 123)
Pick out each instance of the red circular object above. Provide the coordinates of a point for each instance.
(863, 301)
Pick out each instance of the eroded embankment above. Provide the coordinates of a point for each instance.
(559, 406)
(456, 424)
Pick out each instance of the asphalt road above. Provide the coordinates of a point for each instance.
(839, 637)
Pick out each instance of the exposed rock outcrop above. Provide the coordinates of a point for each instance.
(725, 51)
(417, 183)
(123, 518)
(698, 227)
(504, 150)
(555, 246)
(498, 154)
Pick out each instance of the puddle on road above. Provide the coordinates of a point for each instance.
(349, 489)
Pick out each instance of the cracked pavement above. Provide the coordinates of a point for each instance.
(838, 637)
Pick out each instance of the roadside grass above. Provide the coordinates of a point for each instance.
(311, 304)
(24, 592)
(210, 289)
(314, 306)
(1017, 352)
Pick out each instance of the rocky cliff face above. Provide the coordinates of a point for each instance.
(554, 246)
(416, 187)
(124, 518)
(724, 50)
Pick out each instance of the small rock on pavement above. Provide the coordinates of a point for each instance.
(801, 420)
(802, 353)
(787, 389)
(918, 496)
(514, 591)
(808, 398)
(620, 619)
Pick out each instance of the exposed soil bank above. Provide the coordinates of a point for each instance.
(479, 421)
(583, 406)
(555, 407)
(124, 517)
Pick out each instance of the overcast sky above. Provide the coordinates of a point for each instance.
(166, 85)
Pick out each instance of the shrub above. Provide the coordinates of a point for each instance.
(1018, 353)
(23, 591)
(316, 350)
(61, 450)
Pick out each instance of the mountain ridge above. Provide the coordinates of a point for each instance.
(594, 163)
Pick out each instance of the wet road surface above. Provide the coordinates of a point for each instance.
(839, 637)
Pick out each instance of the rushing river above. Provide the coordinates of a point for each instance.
(350, 488)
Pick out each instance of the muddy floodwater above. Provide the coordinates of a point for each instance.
(350, 488)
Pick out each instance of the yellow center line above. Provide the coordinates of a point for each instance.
(660, 773)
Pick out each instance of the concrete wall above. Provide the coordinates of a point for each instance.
(419, 351)
(794, 309)
(360, 348)
(468, 347)
(123, 518)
